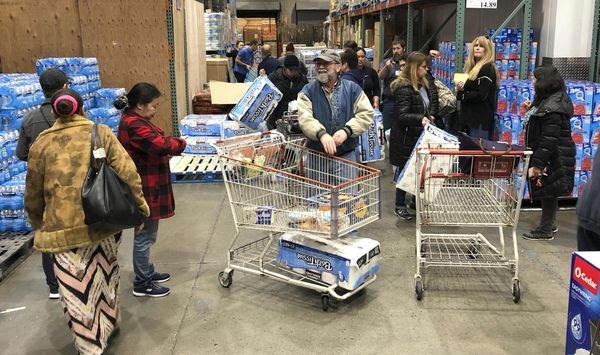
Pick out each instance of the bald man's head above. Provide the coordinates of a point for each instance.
(266, 50)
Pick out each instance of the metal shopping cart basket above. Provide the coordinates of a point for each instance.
(276, 185)
(468, 189)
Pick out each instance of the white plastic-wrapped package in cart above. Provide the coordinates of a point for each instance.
(347, 262)
(433, 138)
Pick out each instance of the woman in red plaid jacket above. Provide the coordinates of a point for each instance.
(150, 150)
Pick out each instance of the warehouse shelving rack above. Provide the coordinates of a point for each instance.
(419, 6)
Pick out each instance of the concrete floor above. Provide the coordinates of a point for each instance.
(462, 312)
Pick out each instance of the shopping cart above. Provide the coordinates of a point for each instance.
(274, 186)
(468, 189)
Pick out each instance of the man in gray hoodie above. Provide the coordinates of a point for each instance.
(588, 211)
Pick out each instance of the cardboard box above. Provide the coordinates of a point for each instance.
(347, 262)
(216, 69)
(251, 33)
(584, 305)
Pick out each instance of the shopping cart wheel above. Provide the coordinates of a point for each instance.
(516, 291)
(419, 289)
(325, 302)
(226, 280)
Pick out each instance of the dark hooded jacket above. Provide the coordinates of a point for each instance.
(289, 88)
(408, 114)
(548, 134)
(354, 75)
(588, 201)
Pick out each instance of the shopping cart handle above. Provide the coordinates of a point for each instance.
(473, 152)
(450, 175)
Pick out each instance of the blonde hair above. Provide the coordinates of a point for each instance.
(472, 67)
(409, 73)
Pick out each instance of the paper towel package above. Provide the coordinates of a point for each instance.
(201, 125)
(584, 305)
(257, 104)
(371, 141)
(347, 262)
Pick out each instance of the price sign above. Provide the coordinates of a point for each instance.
(482, 4)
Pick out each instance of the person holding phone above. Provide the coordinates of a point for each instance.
(548, 134)
(416, 106)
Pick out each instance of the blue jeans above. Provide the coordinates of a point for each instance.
(331, 171)
(142, 241)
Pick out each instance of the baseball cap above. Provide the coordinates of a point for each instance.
(291, 61)
(329, 55)
(53, 79)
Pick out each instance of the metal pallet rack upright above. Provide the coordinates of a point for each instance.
(594, 60)
(461, 6)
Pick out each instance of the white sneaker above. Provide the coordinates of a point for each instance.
(54, 296)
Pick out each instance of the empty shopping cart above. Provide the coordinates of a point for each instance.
(471, 190)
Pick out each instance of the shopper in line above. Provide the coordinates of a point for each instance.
(548, 134)
(349, 68)
(84, 257)
(34, 123)
(350, 44)
(478, 95)
(233, 52)
(268, 64)
(390, 70)
(416, 105)
(150, 150)
(333, 128)
(244, 61)
(289, 80)
(588, 211)
(290, 50)
(371, 85)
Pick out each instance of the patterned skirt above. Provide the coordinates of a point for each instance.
(88, 282)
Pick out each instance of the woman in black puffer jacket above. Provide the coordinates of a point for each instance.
(416, 105)
(548, 134)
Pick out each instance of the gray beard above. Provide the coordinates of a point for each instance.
(323, 78)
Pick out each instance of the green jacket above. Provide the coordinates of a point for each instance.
(57, 165)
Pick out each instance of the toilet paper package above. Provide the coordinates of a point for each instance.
(202, 125)
(584, 305)
(347, 262)
(257, 104)
(371, 141)
(200, 145)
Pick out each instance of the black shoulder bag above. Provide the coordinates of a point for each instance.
(108, 202)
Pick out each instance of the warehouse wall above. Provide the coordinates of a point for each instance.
(130, 41)
(129, 38)
(33, 29)
(478, 21)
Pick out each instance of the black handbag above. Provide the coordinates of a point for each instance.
(108, 201)
(498, 164)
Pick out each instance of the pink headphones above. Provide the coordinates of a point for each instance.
(67, 98)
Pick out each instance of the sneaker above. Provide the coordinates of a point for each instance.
(554, 229)
(537, 235)
(402, 213)
(159, 277)
(152, 290)
(54, 295)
